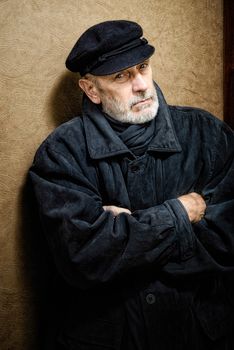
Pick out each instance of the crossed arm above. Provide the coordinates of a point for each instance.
(193, 203)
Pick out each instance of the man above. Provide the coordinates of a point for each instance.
(136, 198)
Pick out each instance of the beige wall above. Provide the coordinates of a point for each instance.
(37, 94)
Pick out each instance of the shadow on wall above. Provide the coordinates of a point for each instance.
(65, 101)
(38, 274)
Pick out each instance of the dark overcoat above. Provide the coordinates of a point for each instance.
(181, 272)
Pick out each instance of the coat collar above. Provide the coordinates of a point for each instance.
(103, 142)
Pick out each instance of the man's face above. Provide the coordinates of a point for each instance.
(129, 96)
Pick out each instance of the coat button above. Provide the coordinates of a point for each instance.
(150, 298)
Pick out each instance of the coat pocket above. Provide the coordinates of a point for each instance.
(93, 335)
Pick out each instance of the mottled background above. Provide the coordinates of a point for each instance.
(37, 94)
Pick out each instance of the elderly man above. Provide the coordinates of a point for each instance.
(135, 199)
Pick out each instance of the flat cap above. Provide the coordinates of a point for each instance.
(109, 47)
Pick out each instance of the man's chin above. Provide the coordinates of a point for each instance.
(144, 115)
(140, 117)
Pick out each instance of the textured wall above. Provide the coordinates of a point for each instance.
(37, 94)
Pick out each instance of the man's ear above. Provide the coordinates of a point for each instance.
(90, 90)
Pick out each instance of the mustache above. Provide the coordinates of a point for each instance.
(143, 95)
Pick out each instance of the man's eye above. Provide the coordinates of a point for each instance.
(121, 76)
(143, 66)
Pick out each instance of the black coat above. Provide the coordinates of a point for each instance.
(181, 272)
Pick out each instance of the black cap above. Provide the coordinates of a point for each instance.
(109, 47)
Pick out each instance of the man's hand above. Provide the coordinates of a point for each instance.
(116, 210)
(195, 206)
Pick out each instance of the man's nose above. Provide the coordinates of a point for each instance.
(139, 84)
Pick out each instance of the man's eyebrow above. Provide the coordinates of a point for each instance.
(145, 61)
(111, 76)
(124, 70)
(121, 71)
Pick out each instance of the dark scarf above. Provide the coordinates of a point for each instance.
(136, 137)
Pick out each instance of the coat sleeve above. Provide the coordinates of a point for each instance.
(213, 248)
(89, 245)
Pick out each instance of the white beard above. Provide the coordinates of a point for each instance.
(119, 111)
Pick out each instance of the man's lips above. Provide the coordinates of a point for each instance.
(142, 102)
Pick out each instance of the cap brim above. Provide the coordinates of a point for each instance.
(124, 60)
